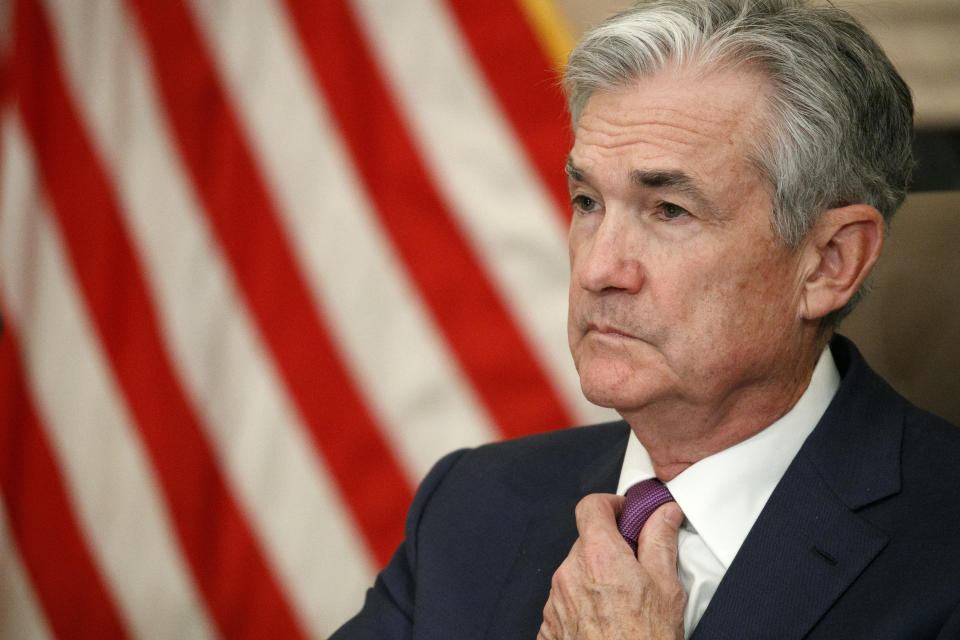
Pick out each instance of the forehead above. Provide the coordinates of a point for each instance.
(675, 120)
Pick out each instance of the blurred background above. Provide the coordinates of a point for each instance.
(263, 262)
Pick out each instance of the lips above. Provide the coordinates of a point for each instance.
(608, 330)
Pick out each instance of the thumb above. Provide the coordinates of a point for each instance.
(657, 544)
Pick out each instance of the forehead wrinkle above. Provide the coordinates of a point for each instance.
(721, 117)
(613, 128)
(658, 132)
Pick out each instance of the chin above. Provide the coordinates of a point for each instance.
(615, 386)
(612, 400)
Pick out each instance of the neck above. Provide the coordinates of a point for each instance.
(679, 436)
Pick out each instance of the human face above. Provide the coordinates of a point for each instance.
(680, 291)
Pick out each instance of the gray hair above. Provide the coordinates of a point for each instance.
(839, 124)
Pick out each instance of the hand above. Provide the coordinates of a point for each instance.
(602, 591)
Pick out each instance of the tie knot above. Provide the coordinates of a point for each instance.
(642, 499)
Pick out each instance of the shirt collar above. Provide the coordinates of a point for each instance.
(722, 495)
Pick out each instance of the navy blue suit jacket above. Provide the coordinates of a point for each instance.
(860, 539)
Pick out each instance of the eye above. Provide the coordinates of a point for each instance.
(584, 204)
(672, 211)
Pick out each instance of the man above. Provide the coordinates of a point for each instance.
(734, 166)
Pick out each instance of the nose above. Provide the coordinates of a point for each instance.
(609, 258)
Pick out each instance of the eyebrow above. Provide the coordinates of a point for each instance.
(677, 180)
(669, 179)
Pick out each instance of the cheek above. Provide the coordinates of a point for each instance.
(573, 333)
(754, 301)
(735, 291)
(576, 303)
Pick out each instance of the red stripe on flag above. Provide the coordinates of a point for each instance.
(65, 579)
(240, 210)
(469, 311)
(242, 594)
(526, 85)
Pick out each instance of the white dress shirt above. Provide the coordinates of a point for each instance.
(723, 494)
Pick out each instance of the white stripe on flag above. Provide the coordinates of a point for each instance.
(118, 503)
(269, 461)
(20, 615)
(404, 370)
(468, 147)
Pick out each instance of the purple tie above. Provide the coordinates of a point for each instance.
(643, 499)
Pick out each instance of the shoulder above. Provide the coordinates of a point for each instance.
(931, 454)
(872, 443)
(911, 451)
(925, 435)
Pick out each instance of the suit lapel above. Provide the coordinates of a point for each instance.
(550, 533)
(809, 543)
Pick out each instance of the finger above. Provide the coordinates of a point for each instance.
(657, 545)
(549, 627)
(564, 591)
(601, 552)
(596, 515)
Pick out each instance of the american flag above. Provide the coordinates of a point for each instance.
(262, 262)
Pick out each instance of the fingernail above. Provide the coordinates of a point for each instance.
(673, 515)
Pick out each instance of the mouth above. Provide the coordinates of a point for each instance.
(607, 330)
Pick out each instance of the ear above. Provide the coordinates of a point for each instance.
(842, 248)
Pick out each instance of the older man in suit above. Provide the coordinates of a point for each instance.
(734, 167)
